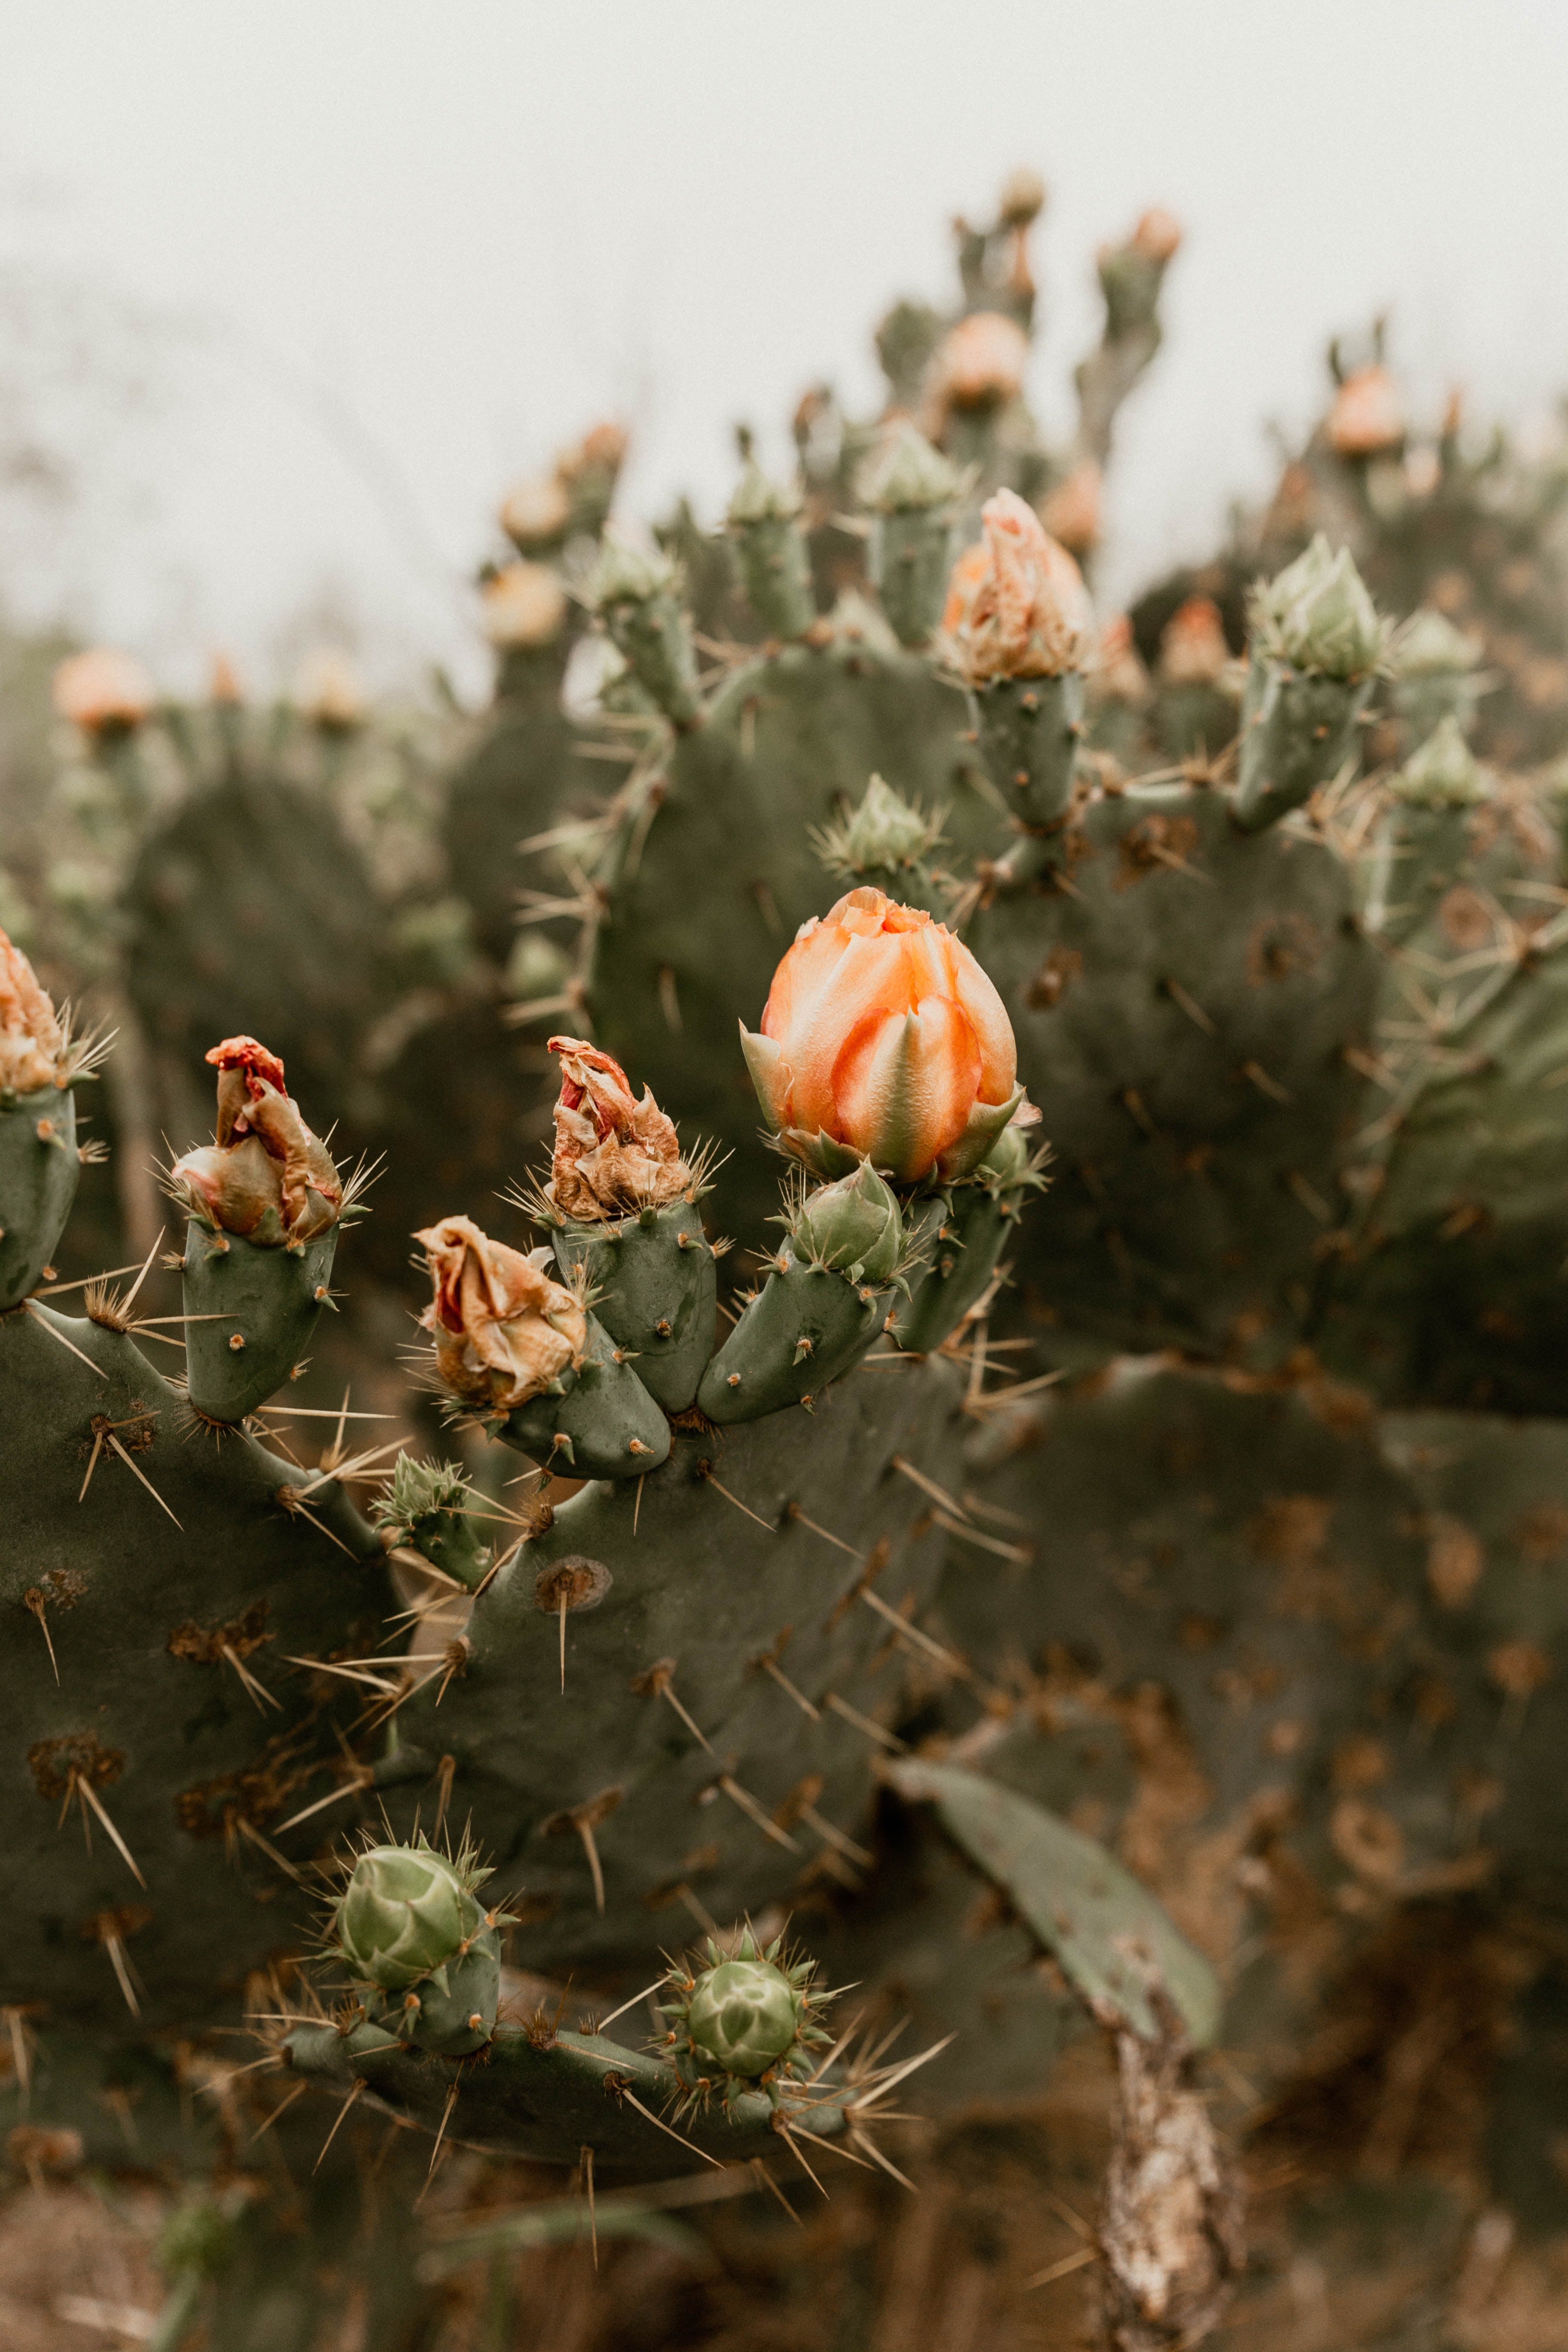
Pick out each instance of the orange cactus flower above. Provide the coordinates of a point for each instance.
(504, 1331)
(613, 1154)
(33, 1045)
(103, 691)
(1368, 416)
(267, 1178)
(884, 1040)
(1193, 649)
(1016, 606)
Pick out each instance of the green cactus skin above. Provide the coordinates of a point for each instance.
(408, 1924)
(38, 1172)
(431, 1508)
(606, 1425)
(146, 1619)
(270, 1300)
(653, 1281)
(911, 555)
(805, 1327)
(1297, 730)
(1029, 729)
(964, 1251)
(777, 572)
(654, 634)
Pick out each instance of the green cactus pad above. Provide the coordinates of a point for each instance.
(653, 1281)
(269, 1301)
(38, 1172)
(1298, 728)
(606, 1425)
(805, 1328)
(1030, 729)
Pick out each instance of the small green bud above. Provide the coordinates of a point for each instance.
(626, 575)
(907, 475)
(854, 1227)
(885, 832)
(405, 1913)
(1444, 773)
(757, 500)
(1006, 1166)
(745, 2015)
(428, 1507)
(1317, 615)
(1429, 645)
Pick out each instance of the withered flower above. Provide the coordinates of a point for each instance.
(613, 1154)
(504, 1331)
(267, 1178)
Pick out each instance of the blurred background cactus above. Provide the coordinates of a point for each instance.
(1114, 1582)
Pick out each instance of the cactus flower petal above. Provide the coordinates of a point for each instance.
(1016, 606)
(267, 1176)
(613, 1153)
(32, 1041)
(503, 1331)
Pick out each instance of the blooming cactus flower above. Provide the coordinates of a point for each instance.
(1017, 605)
(267, 1178)
(405, 1912)
(103, 691)
(613, 1154)
(1367, 417)
(744, 2014)
(33, 1044)
(504, 1331)
(883, 1039)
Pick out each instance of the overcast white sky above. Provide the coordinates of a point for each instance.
(411, 246)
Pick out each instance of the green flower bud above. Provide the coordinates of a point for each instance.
(855, 1227)
(1430, 646)
(626, 575)
(1444, 773)
(405, 1913)
(745, 2015)
(757, 500)
(1005, 1167)
(885, 832)
(428, 1506)
(908, 475)
(1317, 615)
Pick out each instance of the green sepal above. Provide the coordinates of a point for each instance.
(1298, 727)
(271, 1299)
(603, 1425)
(653, 1282)
(911, 555)
(1030, 729)
(805, 1328)
(38, 1172)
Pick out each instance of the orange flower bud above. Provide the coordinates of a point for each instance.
(1367, 416)
(1118, 672)
(1158, 235)
(1071, 513)
(602, 448)
(1016, 606)
(1193, 650)
(267, 1178)
(33, 1044)
(524, 604)
(536, 511)
(981, 361)
(883, 1039)
(504, 1331)
(613, 1154)
(103, 692)
(329, 692)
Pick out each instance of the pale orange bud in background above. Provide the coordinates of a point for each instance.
(536, 512)
(602, 448)
(613, 1153)
(328, 691)
(1016, 606)
(524, 604)
(32, 1041)
(883, 1039)
(982, 363)
(503, 1331)
(223, 683)
(1072, 512)
(1193, 650)
(1158, 235)
(1367, 416)
(1119, 674)
(104, 692)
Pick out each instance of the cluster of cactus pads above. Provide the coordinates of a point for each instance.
(1134, 1477)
